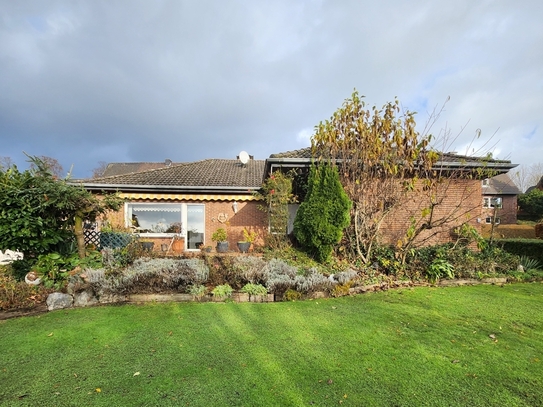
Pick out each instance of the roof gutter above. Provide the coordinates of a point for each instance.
(167, 188)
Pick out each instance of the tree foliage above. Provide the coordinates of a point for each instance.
(39, 212)
(531, 204)
(324, 214)
(379, 155)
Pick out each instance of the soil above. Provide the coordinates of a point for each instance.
(37, 310)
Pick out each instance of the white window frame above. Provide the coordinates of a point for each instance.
(182, 209)
(487, 202)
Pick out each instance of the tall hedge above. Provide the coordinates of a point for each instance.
(324, 214)
(523, 247)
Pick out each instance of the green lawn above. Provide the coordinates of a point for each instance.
(410, 347)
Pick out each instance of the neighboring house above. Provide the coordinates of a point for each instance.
(199, 197)
(127, 168)
(499, 200)
(461, 195)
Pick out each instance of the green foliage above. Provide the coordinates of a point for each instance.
(198, 290)
(529, 263)
(219, 235)
(531, 205)
(324, 214)
(292, 295)
(523, 247)
(254, 289)
(19, 268)
(440, 268)
(54, 268)
(39, 211)
(222, 291)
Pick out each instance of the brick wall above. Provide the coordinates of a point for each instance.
(459, 201)
(248, 216)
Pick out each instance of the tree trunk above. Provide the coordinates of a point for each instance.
(79, 235)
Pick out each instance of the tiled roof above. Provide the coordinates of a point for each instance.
(127, 168)
(446, 159)
(301, 153)
(206, 173)
(501, 185)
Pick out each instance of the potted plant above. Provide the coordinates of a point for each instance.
(221, 238)
(248, 239)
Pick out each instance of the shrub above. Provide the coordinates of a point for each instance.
(438, 269)
(222, 291)
(279, 276)
(341, 290)
(254, 289)
(197, 290)
(150, 275)
(292, 295)
(250, 268)
(529, 263)
(343, 277)
(324, 214)
(312, 282)
(523, 247)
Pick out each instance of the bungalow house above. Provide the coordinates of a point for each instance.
(499, 200)
(193, 200)
(188, 202)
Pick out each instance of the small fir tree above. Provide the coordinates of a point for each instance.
(324, 214)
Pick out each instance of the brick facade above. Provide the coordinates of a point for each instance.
(459, 202)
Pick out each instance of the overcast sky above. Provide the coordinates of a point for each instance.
(119, 81)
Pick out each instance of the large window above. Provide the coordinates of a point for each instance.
(195, 226)
(154, 218)
(166, 219)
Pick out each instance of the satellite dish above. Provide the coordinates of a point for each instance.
(243, 157)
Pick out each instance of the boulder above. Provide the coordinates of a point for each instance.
(59, 301)
(85, 299)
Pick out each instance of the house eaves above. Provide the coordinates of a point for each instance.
(169, 188)
(500, 167)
